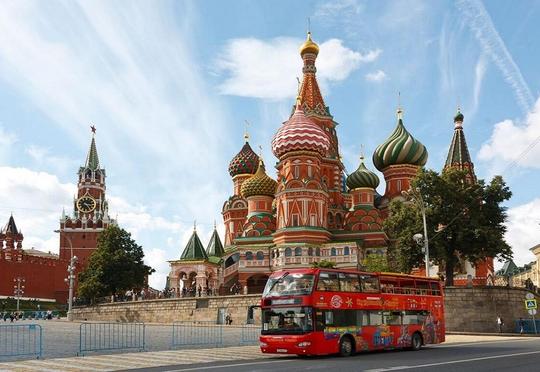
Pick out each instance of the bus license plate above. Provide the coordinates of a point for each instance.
(281, 350)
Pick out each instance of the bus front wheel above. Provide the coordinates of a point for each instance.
(416, 342)
(345, 347)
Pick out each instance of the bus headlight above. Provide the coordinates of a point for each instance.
(304, 344)
(263, 344)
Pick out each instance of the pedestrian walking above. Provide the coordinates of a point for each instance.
(500, 323)
(521, 326)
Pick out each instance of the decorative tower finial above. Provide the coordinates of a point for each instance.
(308, 25)
(93, 129)
(214, 224)
(194, 225)
(362, 152)
(399, 109)
(246, 133)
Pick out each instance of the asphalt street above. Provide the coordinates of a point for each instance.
(519, 354)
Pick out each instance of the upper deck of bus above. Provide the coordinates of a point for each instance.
(368, 282)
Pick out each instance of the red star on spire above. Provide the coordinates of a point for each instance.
(93, 129)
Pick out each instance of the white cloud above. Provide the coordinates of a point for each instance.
(513, 143)
(479, 73)
(478, 19)
(376, 76)
(7, 139)
(523, 230)
(43, 157)
(266, 68)
(128, 68)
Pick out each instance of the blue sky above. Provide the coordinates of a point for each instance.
(169, 85)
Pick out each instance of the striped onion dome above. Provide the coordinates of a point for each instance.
(362, 177)
(259, 183)
(299, 133)
(245, 162)
(400, 148)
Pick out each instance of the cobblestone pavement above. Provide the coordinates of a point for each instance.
(61, 338)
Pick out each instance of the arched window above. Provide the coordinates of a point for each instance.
(249, 255)
(260, 256)
(297, 251)
(288, 252)
(333, 252)
(346, 251)
(318, 251)
(310, 251)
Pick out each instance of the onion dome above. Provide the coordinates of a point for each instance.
(362, 177)
(309, 46)
(300, 133)
(459, 117)
(259, 184)
(245, 162)
(400, 148)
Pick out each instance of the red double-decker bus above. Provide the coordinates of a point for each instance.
(328, 311)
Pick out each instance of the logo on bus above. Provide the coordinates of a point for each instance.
(336, 301)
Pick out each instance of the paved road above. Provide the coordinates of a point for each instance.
(518, 354)
(460, 353)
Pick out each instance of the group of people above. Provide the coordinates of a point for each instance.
(500, 324)
(19, 315)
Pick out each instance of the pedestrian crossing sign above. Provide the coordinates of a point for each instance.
(530, 304)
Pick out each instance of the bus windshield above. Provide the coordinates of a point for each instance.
(289, 284)
(287, 320)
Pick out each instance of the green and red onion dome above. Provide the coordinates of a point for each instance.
(362, 177)
(400, 148)
(259, 184)
(245, 162)
(300, 133)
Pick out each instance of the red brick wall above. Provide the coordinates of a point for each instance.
(44, 277)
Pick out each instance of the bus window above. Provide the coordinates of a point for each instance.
(375, 318)
(392, 317)
(416, 317)
(435, 289)
(422, 287)
(338, 318)
(289, 284)
(370, 284)
(349, 282)
(328, 282)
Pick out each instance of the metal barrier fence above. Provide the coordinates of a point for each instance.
(197, 333)
(111, 336)
(528, 326)
(21, 340)
(250, 335)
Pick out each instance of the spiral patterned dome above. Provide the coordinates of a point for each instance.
(245, 162)
(362, 177)
(299, 133)
(400, 148)
(259, 184)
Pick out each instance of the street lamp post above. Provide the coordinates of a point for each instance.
(70, 280)
(18, 289)
(416, 197)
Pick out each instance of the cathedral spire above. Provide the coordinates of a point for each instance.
(310, 94)
(458, 154)
(11, 227)
(92, 159)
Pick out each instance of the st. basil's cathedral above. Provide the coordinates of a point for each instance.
(312, 211)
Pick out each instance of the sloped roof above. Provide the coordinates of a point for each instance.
(194, 249)
(35, 252)
(92, 159)
(11, 227)
(215, 247)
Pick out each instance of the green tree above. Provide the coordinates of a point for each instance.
(323, 264)
(465, 220)
(375, 263)
(115, 266)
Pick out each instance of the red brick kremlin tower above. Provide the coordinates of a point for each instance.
(80, 230)
(482, 272)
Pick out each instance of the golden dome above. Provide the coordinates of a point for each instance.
(309, 46)
(259, 183)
